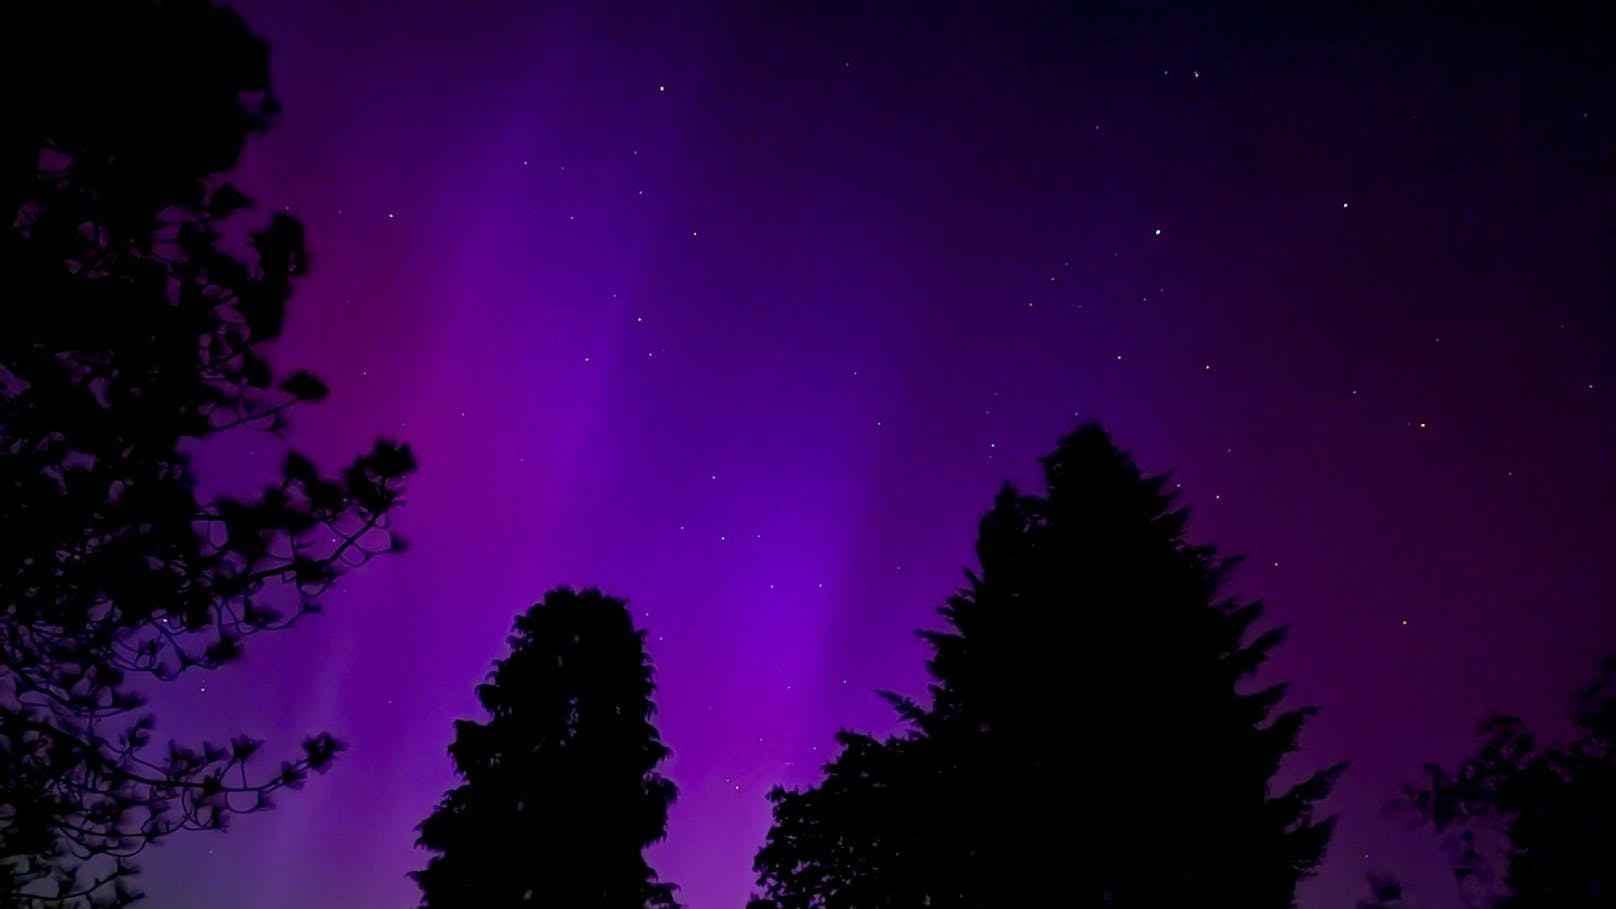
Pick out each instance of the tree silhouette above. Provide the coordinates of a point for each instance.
(1087, 740)
(1385, 892)
(560, 794)
(135, 322)
(1547, 813)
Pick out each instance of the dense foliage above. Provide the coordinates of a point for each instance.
(134, 330)
(1088, 739)
(560, 794)
(1546, 814)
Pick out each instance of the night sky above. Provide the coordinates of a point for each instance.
(744, 313)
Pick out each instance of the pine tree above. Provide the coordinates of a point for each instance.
(1089, 738)
(560, 794)
(139, 308)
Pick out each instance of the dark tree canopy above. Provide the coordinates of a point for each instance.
(1088, 739)
(136, 317)
(560, 795)
(1547, 814)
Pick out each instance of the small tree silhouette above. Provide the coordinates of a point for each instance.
(1087, 740)
(561, 794)
(1385, 892)
(131, 335)
(1548, 814)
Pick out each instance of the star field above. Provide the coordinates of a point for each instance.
(744, 314)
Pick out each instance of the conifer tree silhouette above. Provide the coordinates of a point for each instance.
(136, 315)
(560, 794)
(1088, 739)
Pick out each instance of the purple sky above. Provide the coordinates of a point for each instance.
(744, 315)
